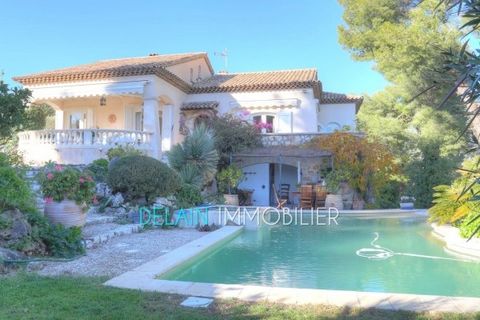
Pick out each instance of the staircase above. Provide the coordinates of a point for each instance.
(99, 228)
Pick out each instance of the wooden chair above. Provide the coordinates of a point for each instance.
(280, 202)
(285, 192)
(306, 196)
(320, 196)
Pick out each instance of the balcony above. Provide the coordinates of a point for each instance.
(77, 146)
(288, 139)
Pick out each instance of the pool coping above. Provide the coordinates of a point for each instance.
(145, 278)
(456, 243)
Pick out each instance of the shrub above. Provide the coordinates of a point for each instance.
(369, 163)
(14, 191)
(60, 183)
(123, 151)
(232, 135)
(229, 178)
(63, 242)
(99, 169)
(388, 195)
(334, 178)
(470, 224)
(197, 151)
(188, 196)
(138, 177)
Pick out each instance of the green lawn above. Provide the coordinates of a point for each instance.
(32, 297)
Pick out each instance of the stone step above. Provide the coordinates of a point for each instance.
(93, 218)
(97, 234)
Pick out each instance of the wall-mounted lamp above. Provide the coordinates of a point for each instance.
(103, 101)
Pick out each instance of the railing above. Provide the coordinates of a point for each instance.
(85, 137)
(288, 139)
(292, 139)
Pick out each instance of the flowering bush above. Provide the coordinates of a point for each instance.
(263, 127)
(60, 183)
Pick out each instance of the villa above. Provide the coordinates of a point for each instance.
(152, 102)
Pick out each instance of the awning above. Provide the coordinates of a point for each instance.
(271, 103)
(81, 90)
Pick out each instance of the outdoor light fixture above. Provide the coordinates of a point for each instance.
(103, 101)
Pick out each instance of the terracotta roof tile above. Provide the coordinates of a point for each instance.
(259, 81)
(158, 64)
(105, 69)
(199, 105)
(332, 97)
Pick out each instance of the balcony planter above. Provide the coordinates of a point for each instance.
(65, 212)
(67, 193)
(407, 203)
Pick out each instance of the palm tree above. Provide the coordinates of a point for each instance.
(196, 156)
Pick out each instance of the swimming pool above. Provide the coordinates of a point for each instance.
(394, 254)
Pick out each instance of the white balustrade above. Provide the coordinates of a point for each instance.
(84, 137)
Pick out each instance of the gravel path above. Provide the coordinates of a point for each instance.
(123, 253)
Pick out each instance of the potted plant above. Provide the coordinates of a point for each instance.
(228, 180)
(67, 193)
(407, 202)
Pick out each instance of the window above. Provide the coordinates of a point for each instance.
(139, 121)
(264, 123)
(332, 127)
(77, 120)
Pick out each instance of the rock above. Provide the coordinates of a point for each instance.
(20, 229)
(117, 200)
(164, 202)
(7, 254)
(102, 190)
(15, 224)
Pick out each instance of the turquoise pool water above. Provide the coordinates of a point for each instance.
(327, 258)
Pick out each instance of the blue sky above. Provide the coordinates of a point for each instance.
(259, 35)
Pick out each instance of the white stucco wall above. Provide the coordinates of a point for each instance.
(302, 115)
(182, 70)
(330, 115)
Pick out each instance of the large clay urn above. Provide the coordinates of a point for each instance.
(65, 212)
(334, 201)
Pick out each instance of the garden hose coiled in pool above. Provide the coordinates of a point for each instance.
(381, 253)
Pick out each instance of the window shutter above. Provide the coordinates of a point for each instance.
(284, 122)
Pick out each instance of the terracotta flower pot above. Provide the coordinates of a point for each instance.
(231, 199)
(65, 212)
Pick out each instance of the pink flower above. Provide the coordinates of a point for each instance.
(50, 176)
(94, 200)
(81, 180)
(48, 200)
(58, 167)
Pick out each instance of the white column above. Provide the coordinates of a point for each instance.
(151, 124)
(59, 114)
(167, 127)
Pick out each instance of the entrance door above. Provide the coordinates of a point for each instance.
(257, 178)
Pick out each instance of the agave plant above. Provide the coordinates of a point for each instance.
(190, 175)
(196, 155)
